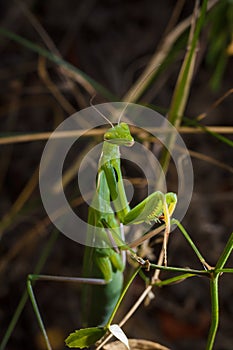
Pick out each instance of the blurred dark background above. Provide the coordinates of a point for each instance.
(112, 41)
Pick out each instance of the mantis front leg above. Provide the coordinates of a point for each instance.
(156, 207)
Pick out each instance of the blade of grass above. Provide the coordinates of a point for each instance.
(209, 130)
(157, 59)
(53, 49)
(183, 85)
(87, 82)
(181, 92)
(218, 136)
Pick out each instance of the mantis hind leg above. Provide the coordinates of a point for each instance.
(37, 312)
(32, 278)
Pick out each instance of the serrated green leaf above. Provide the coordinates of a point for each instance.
(85, 337)
(119, 334)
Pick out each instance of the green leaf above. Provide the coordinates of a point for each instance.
(85, 337)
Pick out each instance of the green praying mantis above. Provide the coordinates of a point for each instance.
(107, 262)
(103, 266)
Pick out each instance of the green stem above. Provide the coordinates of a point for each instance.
(225, 254)
(230, 270)
(174, 279)
(180, 269)
(122, 296)
(190, 241)
(214, 312)
(214, 292)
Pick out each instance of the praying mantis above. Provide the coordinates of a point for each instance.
(109, 211)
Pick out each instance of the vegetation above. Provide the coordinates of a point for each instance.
(186, 78)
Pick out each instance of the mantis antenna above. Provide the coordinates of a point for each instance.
(127, 103)
(122, 112)
(102, 115)
(138, 87)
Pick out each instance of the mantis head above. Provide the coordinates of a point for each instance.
(119, 135)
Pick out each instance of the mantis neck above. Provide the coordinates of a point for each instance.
(110, 151)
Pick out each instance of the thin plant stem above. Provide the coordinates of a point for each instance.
(173, 280)
(225, 254)
(191, 243)
(122, 296)
(230, 270)
(180, 269)
(214, 312)
(214, 292)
